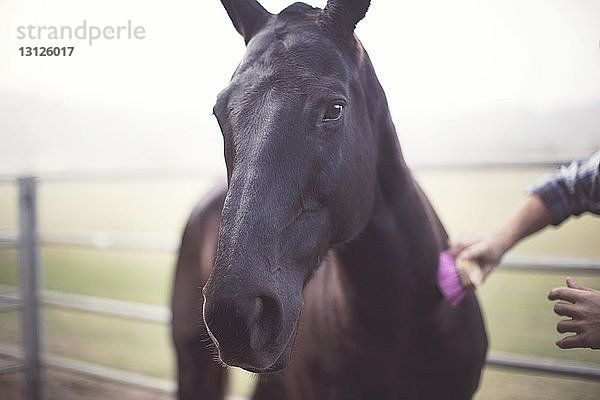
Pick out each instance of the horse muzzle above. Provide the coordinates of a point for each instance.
(248, 330)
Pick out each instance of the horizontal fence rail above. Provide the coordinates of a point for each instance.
(556, 263)
(96, 305)
(164, 242)
(83, 368)
(114, 308)
(6, 369)
(8, 242)
(9, 302)
(98, 371)
(213, 173)
(217, 172)
(545, 365)
(99, 239)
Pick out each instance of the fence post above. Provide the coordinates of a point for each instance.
(29, 264)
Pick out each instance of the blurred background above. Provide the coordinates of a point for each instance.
(486, 97)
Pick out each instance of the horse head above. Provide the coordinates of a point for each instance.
(300, 151)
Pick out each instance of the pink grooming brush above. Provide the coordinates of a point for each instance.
(456, 276)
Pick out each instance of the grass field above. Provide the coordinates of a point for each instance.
(518, 316)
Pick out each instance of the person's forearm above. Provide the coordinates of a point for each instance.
(529, 218)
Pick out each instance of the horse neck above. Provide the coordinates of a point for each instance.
(393, 261)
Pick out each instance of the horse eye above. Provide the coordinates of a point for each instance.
(334, 112)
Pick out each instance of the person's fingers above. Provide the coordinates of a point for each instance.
(455, 248)
(564, 293)
(474, 252)
(458, 244)
(568, 325)
(570, 342)
(486, 269)
(567, 310)
(574, 285)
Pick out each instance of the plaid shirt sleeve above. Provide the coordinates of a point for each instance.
(571, 190)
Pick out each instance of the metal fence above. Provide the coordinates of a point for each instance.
(32, 359)
(29, 277)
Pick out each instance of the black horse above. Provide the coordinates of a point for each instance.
(323, 250)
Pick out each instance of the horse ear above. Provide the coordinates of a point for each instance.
(343, 15)
(248, 16)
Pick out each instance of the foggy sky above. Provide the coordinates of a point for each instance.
(515, 80)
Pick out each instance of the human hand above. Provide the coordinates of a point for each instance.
(485, 250)
(582, 304)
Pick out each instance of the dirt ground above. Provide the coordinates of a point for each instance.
(498, 385)
(67, 386)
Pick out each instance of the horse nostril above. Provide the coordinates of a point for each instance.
(243, 326)
(266, 322)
